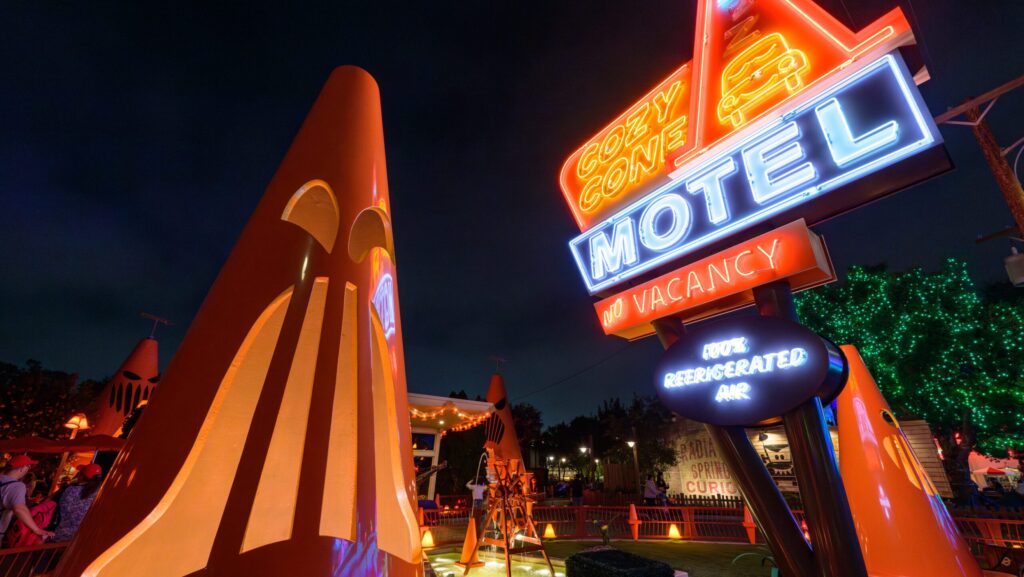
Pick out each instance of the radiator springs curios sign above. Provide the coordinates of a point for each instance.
(747, 371)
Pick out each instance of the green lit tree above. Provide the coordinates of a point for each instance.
(937, 351)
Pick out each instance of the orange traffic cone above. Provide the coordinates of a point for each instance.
(909, 531)
(469, 557)
(634, 522)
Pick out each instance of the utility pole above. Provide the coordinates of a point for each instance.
(1008, 183)
(1001, 169)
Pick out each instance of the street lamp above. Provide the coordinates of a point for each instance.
(636, 469)
(78, 422)
(583, 450)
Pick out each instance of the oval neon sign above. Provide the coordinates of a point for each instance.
(747, 371)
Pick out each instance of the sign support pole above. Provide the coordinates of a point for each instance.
(766, 503)
(836, 547)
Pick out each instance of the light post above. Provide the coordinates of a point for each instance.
(636, 470)
(583, 456)
(78, 422)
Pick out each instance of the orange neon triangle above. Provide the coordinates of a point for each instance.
(751, 58)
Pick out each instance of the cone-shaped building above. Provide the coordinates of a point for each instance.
(501, 427)
(133, 383)
(903, 527)
(280, 441)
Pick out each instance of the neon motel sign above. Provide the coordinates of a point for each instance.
(792, 166)
(719, 283)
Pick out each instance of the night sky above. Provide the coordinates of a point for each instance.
(137, 138)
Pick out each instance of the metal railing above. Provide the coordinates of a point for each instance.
(726, 524)
(30, 561)
(607, 499)
(997, 532)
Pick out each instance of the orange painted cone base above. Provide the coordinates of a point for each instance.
(469, 556)
(904, 528)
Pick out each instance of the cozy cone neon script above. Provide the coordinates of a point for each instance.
(719, 283)
(751, 61)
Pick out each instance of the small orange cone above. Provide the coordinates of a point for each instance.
(634, 522)
(751, 527)
(549, 532)
(469, 557)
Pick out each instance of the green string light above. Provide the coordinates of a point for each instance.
(936, 349)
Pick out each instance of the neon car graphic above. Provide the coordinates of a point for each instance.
(759, 72)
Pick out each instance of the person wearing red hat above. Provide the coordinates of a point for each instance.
(74, 501)
(12, 495)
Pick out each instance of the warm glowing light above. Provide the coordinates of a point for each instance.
(583, 450)
(802, 165)
(751, 59)
(755, 78)
(549, 532)
(631, 150)
(631, 444)
(720, 282)
(673, 532)
(78, 422)
(428, 539)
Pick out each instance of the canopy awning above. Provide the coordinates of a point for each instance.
(445, 413)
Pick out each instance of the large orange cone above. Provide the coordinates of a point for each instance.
(279, 443)
(469, 557)
(501, 428)
(132, 384)
(904, 529)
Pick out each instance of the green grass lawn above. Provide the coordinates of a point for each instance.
(698, 559)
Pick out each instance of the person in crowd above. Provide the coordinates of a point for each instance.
(576, 490)
(973, 495)
(19, 535)
(75, 499)
(992, 495)
(478, 493)
(12, 496)
(650, 491)
(31, 485)
(1014, 499)
(662, 497)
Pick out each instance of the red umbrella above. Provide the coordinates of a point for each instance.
(78, 445)
(30, 445)
(94, 443)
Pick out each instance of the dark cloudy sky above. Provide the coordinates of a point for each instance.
(136, 138)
